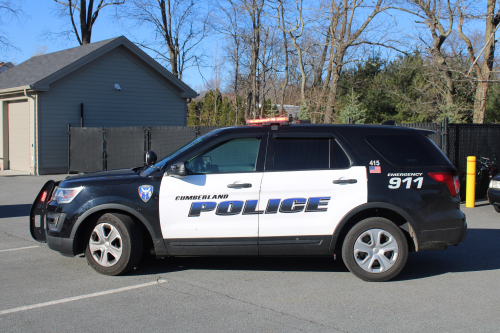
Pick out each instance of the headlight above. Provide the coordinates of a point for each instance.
(66, 195)
(495, 184)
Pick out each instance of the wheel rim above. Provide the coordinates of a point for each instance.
(105, 244)
(376, 251)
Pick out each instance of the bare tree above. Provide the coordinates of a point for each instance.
(295, 32)
(254, 9)
(281, 15)
(179, 25)
(229, 25)
(88, 15)
(9, 10)
(345, 35)
(485, 69)
(437, 15)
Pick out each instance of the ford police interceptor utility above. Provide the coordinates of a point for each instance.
(367, 193)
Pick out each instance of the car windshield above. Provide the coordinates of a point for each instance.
(173, 155)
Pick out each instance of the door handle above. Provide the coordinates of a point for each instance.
(239, 185)
(345, 181)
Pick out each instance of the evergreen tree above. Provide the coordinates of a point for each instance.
(353, 110)
(303, 111)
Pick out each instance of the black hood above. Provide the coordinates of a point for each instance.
(111, 177)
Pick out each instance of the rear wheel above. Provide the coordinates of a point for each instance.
(497, 209)
(114, 245)
(375, 250)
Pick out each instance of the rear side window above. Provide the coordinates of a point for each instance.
(301, 154)
(408, 150)
(308, 154)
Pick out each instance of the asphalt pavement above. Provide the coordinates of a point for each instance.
(457, 290)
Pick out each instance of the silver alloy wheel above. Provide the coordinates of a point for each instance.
(376, 250)
(105, 244)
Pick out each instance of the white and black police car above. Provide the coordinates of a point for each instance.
(367, 193)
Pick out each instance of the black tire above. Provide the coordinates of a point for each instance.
(122, 252)
(497, 209)
(374, 264)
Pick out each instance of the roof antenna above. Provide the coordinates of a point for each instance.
(389, 122)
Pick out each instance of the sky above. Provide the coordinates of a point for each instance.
(28, 35)
(42, 15)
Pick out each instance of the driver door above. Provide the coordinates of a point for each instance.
(212, 210)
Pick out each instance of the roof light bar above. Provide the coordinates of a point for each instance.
(268, 121)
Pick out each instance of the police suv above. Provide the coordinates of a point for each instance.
(369, 194)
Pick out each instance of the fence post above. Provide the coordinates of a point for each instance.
(348, 120)
(69, 148)
(147, 140)
(104, 149)
(445, 137)
(456, 162)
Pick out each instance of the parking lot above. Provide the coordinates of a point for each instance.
(457, 290)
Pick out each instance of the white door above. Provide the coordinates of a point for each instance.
(310, 188)
(213, 209)
(19, 136)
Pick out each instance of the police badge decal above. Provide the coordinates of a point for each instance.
(145, 192)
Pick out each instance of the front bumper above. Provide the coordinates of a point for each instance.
(494, 196)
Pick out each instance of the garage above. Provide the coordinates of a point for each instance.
(19, 136)
(100, 84)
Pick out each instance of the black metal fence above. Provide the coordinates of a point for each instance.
(106, 148)
(458, 141)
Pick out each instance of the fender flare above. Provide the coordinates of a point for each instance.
(371, 205)
(129, 210)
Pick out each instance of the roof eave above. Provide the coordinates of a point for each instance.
(189, 95)
(186, 91)
(14, 89)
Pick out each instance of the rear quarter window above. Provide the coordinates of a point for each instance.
(408, 150)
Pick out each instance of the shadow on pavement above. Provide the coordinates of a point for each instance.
(476, 253)
(15, 210)
(284, 264)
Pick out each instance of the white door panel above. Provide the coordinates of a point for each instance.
(189, 206)
(307, 218)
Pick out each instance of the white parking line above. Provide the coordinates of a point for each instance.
(19, 248)
(76, 298)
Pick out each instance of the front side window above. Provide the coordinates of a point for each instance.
(301, 154)
(237, 155)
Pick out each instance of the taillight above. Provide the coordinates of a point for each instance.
(450, 179)
(44, 196)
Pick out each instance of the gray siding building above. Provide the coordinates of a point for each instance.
(113, 81)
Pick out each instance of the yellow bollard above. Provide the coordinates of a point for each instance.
(470, 187)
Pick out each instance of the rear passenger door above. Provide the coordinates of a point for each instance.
(308, 185)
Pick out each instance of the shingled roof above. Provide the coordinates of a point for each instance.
(38, 72)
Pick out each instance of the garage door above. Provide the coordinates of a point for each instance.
(19, 136)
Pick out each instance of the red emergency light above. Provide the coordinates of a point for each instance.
(268, 121)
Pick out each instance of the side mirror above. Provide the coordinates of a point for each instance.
(151, 158)
(177, 170)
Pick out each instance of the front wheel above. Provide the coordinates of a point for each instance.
(375, 250)
(115, 244)
(497, 209)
